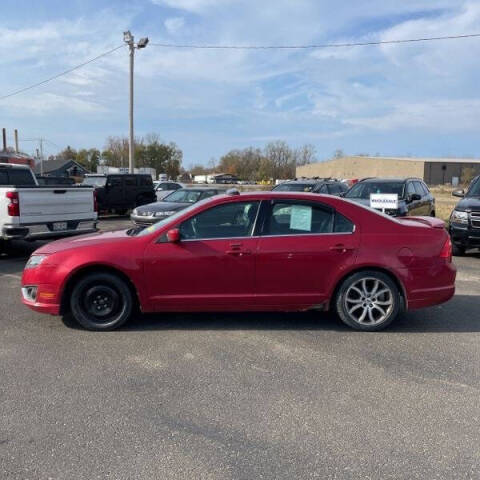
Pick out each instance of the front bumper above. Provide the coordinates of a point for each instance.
(465, 236)
(46, 299)
(40, 231)
(144, 220)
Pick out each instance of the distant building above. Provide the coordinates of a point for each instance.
(17, 158)
(434, 171)
(61, 168)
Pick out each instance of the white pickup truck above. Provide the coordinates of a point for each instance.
(32, 212)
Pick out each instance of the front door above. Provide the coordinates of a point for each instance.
(213, 265)
(304, 247)
(115, 191)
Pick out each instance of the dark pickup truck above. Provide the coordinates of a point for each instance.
(121, 192)
(465, 219)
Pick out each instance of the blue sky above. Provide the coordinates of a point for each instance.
(420, 99)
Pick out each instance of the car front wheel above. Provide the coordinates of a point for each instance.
(101, 301)
(368, 301)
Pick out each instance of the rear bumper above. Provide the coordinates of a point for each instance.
(430, 297)
(40, 231)
(466, 237)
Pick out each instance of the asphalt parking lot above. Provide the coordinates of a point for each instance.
(240, 396)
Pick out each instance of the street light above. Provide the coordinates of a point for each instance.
(129, 39)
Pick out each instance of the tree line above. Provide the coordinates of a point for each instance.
(277, 160)
(150, 152)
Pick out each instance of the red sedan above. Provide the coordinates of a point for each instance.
(250, 252)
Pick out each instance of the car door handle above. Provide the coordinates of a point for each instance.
(238, 252)
(340, 247)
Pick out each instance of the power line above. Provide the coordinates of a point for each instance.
(61, 73)
(312, 46)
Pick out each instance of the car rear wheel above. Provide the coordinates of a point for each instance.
(101, 302)
(368, 301)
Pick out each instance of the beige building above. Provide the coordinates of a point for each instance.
(434, 171)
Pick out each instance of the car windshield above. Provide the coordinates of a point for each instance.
(95, 181)
(294, 187)
(363, 190)
(475, 189)
(183, 196)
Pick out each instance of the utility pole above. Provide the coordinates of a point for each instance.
(41, 155)
(128, 38)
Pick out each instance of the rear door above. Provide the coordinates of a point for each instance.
(304, 247)
(414, 206)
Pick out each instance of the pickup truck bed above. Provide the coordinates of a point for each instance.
(47, 212)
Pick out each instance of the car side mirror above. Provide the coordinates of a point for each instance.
(173, 235)
(414, 197)
(458, 193)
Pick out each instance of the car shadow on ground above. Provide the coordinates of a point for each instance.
(458, 315)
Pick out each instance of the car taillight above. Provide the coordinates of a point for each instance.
(446, 252)
(13, 207)
(95, 203)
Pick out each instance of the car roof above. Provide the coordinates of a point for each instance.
(388, 180)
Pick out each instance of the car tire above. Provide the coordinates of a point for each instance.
(368, 301)
(101, 302)
(458, 250)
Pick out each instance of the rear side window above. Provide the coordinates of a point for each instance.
(298, 219)
(410, 188)
(20, 177)
(343, 224)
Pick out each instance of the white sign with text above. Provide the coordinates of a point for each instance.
(383, 201)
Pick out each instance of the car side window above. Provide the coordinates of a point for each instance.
(298, 219)
(175, 186)
(334, 188)
(322, 189)
(130, 181)
(343, 224)
(419, 189)
(207, 194)
(231, 220)
(114, 182)
(410, 188)
(425, 188)
(163, 186)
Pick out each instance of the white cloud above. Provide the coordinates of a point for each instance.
(174, 24)
(192, 5)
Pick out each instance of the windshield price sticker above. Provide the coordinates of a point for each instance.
(383, 201)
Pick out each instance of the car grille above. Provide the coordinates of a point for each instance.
(475, 219)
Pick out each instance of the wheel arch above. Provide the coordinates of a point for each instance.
(373, 268)
(96, 268)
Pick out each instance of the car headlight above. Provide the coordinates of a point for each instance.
(35, 261)
(164, 214)
(459, 217)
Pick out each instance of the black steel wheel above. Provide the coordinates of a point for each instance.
(101, 301)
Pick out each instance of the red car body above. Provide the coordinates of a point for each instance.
(258, 273)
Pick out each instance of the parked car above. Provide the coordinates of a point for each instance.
(45, 180)
(262, 251)
(328, 186)
(121, 192)
(464, 225)
(414, 197)
(166, 188)
(32, 212)
(153, 212)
